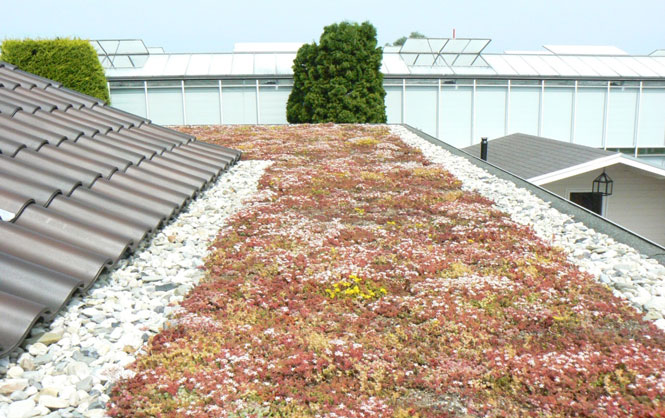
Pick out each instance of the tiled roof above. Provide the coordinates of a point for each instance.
(531, 156)
(81, 184)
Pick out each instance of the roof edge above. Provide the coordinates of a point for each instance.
(594, 165)
(575, 170)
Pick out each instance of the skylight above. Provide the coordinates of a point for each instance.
(444, 52)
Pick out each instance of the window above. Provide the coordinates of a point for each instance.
(588, 200)
(627, 151)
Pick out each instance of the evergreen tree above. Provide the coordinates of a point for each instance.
(339, 80)
(304, 74)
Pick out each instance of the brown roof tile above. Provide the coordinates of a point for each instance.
(122, 225)
(54, 180)
(28, 188)
(74, 231)
(31, 281)
(57, 165)
(10, 124)
(30, 245)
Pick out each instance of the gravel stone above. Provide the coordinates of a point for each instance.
(51, 337)
(52, 402)
(15, 372)
(38, 349)
(22, 409)
(7, 386)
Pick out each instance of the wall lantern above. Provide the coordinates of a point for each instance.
(603, 184)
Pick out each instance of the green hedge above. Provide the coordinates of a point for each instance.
(72, 62)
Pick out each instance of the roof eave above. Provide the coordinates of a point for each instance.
(594, 165)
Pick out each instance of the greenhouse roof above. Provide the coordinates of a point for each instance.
(417, 57)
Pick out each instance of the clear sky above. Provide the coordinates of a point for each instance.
(637, 26)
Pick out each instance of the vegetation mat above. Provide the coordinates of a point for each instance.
(363, 282)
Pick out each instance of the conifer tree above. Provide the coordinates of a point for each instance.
(339, 80)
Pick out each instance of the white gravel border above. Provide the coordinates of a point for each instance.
(67, 368)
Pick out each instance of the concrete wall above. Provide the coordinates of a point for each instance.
(638, 201)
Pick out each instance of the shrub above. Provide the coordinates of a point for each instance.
(72, 62)
(339, 80)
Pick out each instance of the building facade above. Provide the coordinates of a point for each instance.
(595, 96)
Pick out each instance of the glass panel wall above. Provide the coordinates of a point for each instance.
(239, 104)
(129, 100)
(490, 111)
(202, 105)
(589, 119)
(455, 115)
(652, 118)
(621, 117)
(165, 105)
(524, 110)
(394, 104)
(272, 101)
(420, 109)
(557, 113)
(657, 160)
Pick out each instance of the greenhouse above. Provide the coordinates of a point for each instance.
(449, 88)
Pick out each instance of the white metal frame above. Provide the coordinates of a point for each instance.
(573, 116)
(184, 102)
(636, 131)
(221, 103)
